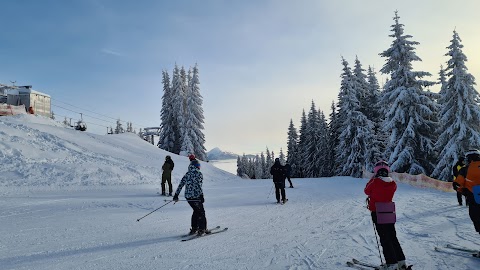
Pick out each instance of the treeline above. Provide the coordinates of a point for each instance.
(415, 130)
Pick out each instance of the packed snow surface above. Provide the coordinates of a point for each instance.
(71, 200)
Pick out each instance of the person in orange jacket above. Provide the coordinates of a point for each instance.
(468, 177)
(381, 188)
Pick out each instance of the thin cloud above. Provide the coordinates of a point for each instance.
(107, 51)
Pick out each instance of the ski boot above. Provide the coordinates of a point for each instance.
(192, 231)
(202, 232)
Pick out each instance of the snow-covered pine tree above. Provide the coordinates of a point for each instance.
(313, 140)
(302, 146)
(375, 114)
(356, 136)
(168, 120)
(245, 166)
(188, 135)
(361, 87)
(332, 138)
(292, 148)
(263, 165)
(240, 171)
(323, 145)
(119, 129)
(442, 80)
(408, 108)
(268, 163)
(281, 157)
(459, 114)
(194, 104)
(258, 168)
(178, 106)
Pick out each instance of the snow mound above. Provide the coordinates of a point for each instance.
(37, 151)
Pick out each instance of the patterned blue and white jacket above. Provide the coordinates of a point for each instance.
(192, 181)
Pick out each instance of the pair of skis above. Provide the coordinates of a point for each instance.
(366, 266)
(215, 230)
(458, 250)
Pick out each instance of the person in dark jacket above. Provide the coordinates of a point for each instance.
(167, 168)
(381, 188)
(193, 181)
(288, 169)
(455, 170)
(279, 173)
(469, 178)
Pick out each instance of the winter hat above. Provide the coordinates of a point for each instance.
(191, 157)
(168, 157)
(195, 163)
(472, 155)
(381, 165)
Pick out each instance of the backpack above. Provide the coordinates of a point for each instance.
(385, 212)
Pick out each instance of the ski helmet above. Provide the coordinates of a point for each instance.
(195, 163)
(472, 155)
(381, 165)
(191, 157)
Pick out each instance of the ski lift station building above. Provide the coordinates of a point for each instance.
(25, 95)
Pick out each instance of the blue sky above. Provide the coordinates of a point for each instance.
(261, 62)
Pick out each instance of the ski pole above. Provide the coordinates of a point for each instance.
(182, 200)
(378, 246)
(154, 210)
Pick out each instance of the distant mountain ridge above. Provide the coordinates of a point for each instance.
(217, 154)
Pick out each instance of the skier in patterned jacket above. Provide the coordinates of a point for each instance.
(192, 181)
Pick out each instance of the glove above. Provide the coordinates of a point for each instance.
(455, 185)
(175, 198)
(202, 200)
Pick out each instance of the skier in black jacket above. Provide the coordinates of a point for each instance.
(455, 170)
(279, 173)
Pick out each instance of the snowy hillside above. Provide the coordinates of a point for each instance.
(71, 200)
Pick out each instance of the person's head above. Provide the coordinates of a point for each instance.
(168, 157)
(381, 168)
(195, 163)
(461, 159)
(472, 155)
(277, 161)
(191, 157)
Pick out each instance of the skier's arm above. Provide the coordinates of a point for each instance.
(180, 186)
(369, 187)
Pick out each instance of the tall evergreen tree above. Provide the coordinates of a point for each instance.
(361, 88)
(292, 148)
(313, 140)
(356, 136)
(332, 141)
(302, 146)
(409, 109)
(460, 112)
(375, 115)
(323, 145)
(178, 107)
(281, 157)
(193, 137)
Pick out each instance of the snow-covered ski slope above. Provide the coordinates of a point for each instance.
(71, 200)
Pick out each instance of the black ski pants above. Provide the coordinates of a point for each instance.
(280, 189)
(474, 211)
(199, 220)
(392, 251)
(167, 179)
